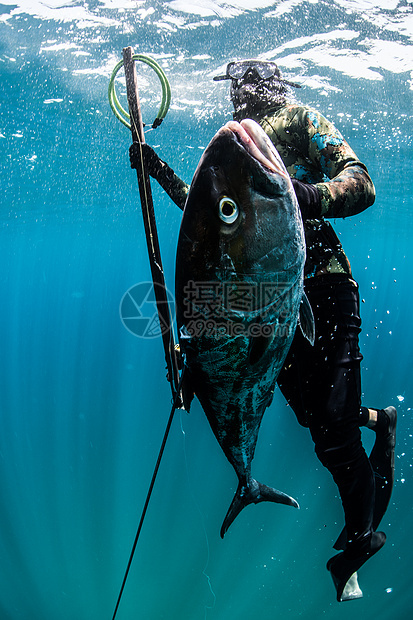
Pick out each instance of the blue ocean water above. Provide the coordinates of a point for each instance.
(84, 403)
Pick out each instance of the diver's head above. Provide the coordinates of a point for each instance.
(256, 87)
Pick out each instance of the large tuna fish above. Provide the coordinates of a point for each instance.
(239, 290)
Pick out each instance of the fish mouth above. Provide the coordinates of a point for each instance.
(258, 145)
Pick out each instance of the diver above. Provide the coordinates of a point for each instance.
(321, 383)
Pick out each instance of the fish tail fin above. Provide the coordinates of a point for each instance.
(253, 493)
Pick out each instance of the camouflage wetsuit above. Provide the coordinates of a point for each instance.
(322, 383)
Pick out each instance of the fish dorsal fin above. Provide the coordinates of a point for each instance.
(306, 320)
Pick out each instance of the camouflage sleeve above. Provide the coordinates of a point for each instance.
(314, 151)
(347, 188)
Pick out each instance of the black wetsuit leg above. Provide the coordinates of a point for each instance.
(322, 385)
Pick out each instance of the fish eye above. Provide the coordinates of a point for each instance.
(228, 210)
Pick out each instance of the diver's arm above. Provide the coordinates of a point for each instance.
(350, 192)
(349, 189)
(176, 189)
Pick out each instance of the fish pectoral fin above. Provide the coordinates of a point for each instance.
(306, 320)
(188, 391)
(254, 493)
(258, 346)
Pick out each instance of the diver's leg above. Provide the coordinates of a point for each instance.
(353, 475)
(339, 448)
(328, 392)
(338, 440)
(382, 457)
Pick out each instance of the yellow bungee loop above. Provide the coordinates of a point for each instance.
(120, 113)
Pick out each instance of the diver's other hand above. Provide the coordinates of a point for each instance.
(151, 161)
(309, 199)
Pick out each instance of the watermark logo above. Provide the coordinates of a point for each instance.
(215, 309)
(138, 309)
